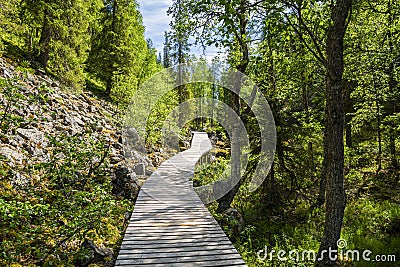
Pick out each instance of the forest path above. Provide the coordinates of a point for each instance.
(170, 226)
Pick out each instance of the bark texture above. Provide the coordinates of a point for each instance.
(334, 127)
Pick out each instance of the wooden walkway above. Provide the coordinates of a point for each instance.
(170, 225)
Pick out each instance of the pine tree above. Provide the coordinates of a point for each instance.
(180, 47)
(119, 49)
(150, 64)
(57, 35)
(167, 49)
(10, 22)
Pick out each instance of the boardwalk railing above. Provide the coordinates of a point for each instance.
(170, 226)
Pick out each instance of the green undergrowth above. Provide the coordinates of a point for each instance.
(292, 224)
(68, 199)
(368, 225)
(49, 207)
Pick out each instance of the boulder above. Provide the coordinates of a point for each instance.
(11, 154)
(97, 253)
(140, 169)
(124, 183)
(33, 135)
(234, 221)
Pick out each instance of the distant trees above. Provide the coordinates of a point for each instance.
(225, 24)
(10, 22)
(119, 49)
(55, 34)
(374, 64)
(73, 38)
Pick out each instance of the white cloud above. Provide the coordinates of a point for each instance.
(155, 19)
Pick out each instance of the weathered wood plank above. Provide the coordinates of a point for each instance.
(200, 247)
(180, 242)
(176, 237)
(158, 231)
(233, 263)
(197, 259)
(163, 254)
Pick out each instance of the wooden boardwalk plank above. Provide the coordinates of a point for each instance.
(170, 225)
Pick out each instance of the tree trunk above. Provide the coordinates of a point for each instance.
(44, 42)
(334, 152)
(225, 202)
(322, 183)
(378, 115)
(348, 109)
(109, 85)
(392, 107)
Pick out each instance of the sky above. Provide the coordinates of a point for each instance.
(156, 22)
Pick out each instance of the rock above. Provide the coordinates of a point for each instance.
(13, 143)
(11, 154)
(6, 74)
(73, 130)
(32, 135)
(115, 160)
(140, 169)
(118, 146)
(57, 113)
(30, 78)
(124, 183)
(34, 151)
(97, 253)
(131, 134)
(130, 153)
(19, 180)
(78, 121)
(122, 175)
(234, 221)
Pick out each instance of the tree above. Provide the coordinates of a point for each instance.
(10, 22)
(226, 24)
(119, 49)
(179, 47)
(334, 126)
(373, 63)
(150, 64)
(304, 13)
(167, 51)
(63, 39)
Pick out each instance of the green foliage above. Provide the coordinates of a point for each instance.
(64, 37)
(206, 174)
(10, 23)
(60, 30)
(120, 57)
(68, 199)
(374, 226)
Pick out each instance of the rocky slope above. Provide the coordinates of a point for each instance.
(45, 110)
